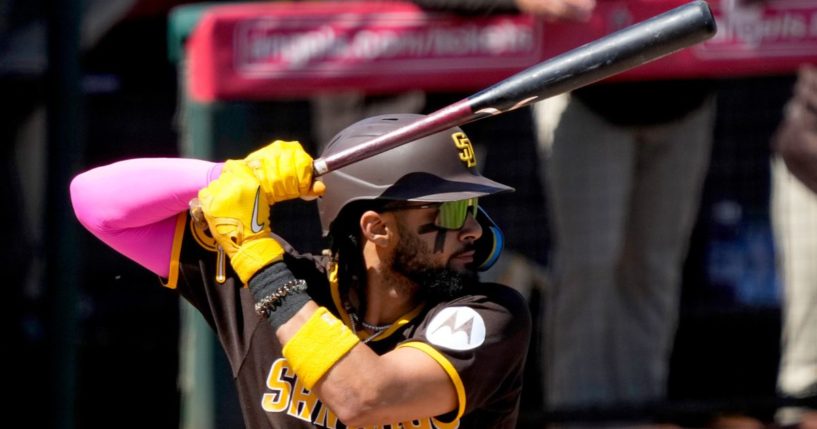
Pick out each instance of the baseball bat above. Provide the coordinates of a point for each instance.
(622, 50)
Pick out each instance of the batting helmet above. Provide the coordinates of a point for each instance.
(437, 168)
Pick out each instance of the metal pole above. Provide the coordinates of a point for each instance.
(64, 152)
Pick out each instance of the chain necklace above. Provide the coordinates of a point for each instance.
(376, 329)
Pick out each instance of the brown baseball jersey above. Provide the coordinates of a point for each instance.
(480, 339)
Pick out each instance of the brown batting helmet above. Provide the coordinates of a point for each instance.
(438, 168)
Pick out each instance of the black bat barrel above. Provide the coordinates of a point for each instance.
(625, 49)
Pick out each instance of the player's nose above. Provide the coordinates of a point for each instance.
(471, 231)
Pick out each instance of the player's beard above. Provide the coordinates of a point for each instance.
(413, 260)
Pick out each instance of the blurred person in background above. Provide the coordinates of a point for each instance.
(794, 214)
(624, 167)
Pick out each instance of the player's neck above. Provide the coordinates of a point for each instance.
(388, 297)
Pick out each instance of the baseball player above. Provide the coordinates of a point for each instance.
(389, 328)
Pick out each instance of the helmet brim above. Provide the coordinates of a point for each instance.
(428, 187)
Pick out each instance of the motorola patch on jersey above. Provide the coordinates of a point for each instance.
(457, 328)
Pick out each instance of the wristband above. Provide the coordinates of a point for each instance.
(320, 343)
(265, 306)
(278, 294)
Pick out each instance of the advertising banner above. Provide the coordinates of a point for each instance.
(293, 50)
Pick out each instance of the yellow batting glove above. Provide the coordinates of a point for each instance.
(285, 171)
(237, 212)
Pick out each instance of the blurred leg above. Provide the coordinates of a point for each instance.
(588, 172)
(672, 162)
(794, 215)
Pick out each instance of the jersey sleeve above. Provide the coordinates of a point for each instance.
(226, 305)
(481, 341)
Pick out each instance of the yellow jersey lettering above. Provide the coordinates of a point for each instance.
(277, 400)
(303, 402)
(418, 424)
(462, 143)
(326, 418)
(288, 394)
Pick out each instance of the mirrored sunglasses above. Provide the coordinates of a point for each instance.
(450, 214)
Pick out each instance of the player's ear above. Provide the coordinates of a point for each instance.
(375, 228)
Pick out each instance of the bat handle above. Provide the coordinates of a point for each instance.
(319, 167)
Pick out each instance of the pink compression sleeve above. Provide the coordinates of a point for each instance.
(132, 205)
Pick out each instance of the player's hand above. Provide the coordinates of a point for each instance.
(285, 171)
(795, 139)
(805, 97)
(237, 213)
